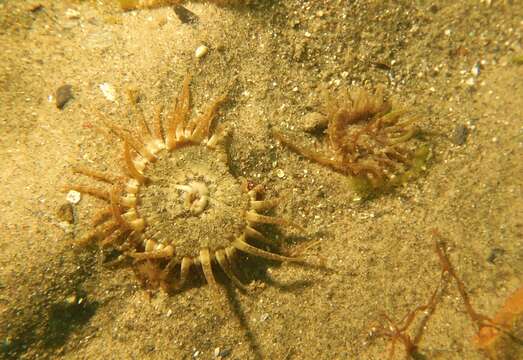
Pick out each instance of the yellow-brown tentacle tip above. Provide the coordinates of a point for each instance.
(226, 267)
(241, 245)
(116, 209)
(131, 167)
(184, 272)
(206, 260)
(253, 216)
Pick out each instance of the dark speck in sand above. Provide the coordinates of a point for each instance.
(459, 137)
(63, 94)
(495, 254)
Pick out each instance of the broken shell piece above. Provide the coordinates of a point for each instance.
(201, 51)
(73, 197)
(108, 91)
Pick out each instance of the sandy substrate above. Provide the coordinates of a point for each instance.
(450, 60)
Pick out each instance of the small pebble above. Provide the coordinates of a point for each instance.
(108, 91)
(225, 352)
(494, 254)
(72, 14)
(280, 173)
(314, 122)
(201, 51)
(459, 137)
(185, 15)
(71, 299)
(73, 197)
(264, 317)
(65, 213)
(35, 7)
(63, 94)
(133, 94)
(475, 70)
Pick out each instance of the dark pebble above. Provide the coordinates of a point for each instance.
(225, 352)
(149, 348)
(63, 94)
(460, 135)
(433, 8)
(494, 254)
(185, 15)
(65, 213)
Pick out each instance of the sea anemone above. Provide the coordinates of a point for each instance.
(367, 138)
(178, 206)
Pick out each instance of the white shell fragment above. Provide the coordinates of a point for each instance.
(72, 14)
(73, 197)
(108, 91)
(201, 51)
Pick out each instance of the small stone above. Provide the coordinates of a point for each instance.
(280, 173)
(63, 94)
(216, 352)
(71, 299)
(66, 227)
(65, 213)
(470, 81)
(314, 122)
(225, 352)
(475, 69)
(35, 7)
(185, 15)
(72, 14)
(459, 137)
(264, 317)
(169, 313)
(494, 254)
(108, 91)
(133, 94)
(73, 197)
(201, 51)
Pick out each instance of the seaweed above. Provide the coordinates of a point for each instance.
(496, 336)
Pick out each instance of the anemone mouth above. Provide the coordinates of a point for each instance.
(177, 206)
(191, 202)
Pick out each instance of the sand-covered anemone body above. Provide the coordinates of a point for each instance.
(177, 206)
(368, 138)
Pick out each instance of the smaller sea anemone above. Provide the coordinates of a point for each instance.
(368, 139)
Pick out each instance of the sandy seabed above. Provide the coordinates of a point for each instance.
(453, 61)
